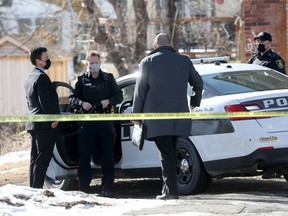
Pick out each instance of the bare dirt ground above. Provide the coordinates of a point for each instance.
(14, 173)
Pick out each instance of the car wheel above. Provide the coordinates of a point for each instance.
(191, 175)
(66, 184)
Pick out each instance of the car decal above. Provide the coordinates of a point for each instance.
(269, 103)
(125, 130)
(268, 139)
(204, 109)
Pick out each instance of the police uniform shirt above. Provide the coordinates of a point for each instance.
(269, 59)
(93, 90)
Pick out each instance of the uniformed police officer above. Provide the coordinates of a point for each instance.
(265, 56)
(96, 91)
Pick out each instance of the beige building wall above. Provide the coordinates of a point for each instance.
(13, 72)
(15, 66)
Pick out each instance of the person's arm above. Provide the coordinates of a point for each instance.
(74, 98)
(250, 61)
(279, 65)
(196, 81)
(117, 94)
(47, 97)
(141, 88)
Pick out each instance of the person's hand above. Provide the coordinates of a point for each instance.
(136, 122)
(105, 103)
(54, 124)
(86, 105)
(192, 107)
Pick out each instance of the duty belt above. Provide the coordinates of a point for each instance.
(95, 109)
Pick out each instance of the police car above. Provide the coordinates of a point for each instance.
(217, 147)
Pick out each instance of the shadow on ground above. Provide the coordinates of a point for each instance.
(150, 188)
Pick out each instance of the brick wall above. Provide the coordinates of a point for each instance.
(265, 15)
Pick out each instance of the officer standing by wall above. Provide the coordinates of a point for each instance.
(265, 56)
(95, 92)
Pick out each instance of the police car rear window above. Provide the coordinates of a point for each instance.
(245, 81)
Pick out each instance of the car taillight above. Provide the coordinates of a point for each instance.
(243, 108)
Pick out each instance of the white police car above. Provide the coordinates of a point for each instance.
(217, 147)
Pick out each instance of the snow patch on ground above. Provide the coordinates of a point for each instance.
(13, 157)
(23, 200)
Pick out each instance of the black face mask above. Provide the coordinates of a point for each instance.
(261, 47)
(48, 64)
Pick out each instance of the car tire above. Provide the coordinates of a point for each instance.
(65, 184)
(192, 177)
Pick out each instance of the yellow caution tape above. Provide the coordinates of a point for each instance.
(136, 116)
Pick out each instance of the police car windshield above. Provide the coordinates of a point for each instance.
(245, 81)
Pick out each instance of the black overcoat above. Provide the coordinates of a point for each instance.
(41, 98)
(162, 88)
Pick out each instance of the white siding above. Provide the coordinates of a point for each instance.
(13, 73)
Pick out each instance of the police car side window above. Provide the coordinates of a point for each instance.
(205, 93)
(128, 92)
(126, 105)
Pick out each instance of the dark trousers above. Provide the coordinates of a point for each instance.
(42, 145)
(167, 148)
(99, 133)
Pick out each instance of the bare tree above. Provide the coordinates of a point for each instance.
(120, 53)
(173, 16)
(141, 21)
(125, 47)
(101, 37)
(2, 30)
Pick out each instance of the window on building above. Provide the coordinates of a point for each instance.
(5, 3)
(24, 25)
(195, 8)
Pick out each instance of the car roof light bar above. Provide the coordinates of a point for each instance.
(222, 59)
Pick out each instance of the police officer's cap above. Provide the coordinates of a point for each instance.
(264, 36)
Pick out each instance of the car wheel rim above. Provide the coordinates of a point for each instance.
(184, 173)
(54, 182)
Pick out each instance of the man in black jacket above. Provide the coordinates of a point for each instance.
(96, 92)
(162, 87)
(265, 55)
(41, 99)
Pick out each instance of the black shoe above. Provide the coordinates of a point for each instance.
(85, 190)
(107, 193)
(269, 175)
(167, 197)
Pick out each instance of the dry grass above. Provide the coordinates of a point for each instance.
(13, 137)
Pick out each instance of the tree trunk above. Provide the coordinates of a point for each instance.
(141, 21)
(101, 37)
(173, 15)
